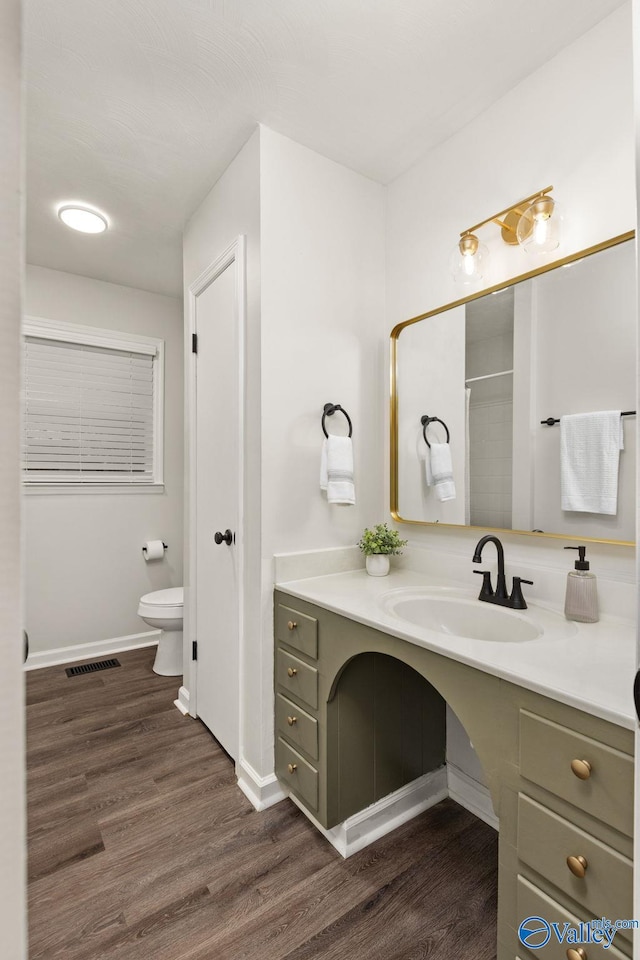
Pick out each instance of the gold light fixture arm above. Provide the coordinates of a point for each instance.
(516, 209)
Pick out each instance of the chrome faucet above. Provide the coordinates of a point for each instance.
(516, 601)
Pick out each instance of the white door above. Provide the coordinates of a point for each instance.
(217, 505)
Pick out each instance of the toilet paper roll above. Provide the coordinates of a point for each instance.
(153, 550)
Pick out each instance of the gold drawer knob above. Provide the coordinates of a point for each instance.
(578, 866)
(291, 625)
(292, 720)
(291, 671)
(581, 769)
(292, 767)
(576, 953)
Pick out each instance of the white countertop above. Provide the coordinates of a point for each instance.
(592, 669)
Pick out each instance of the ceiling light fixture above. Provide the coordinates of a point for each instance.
(83, 218)
(533, 223)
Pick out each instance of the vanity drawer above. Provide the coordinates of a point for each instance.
(297, 630)
(547, 751)
(297, 773)
(534, 903)
(297, 725)
(545, 840)
(297, 678)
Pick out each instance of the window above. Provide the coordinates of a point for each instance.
(92, 407)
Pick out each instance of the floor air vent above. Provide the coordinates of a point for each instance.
(92, 667)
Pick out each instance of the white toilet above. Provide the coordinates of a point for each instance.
(163, 610)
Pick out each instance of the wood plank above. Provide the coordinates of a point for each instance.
(427, 910)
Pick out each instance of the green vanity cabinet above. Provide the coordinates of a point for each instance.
(360, 713)
(340, 746)
(574, 823)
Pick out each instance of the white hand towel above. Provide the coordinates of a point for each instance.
(339, 464)
(423, 453)
(590, 445)
(442, 470)
(323, 466)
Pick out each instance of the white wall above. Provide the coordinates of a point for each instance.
(85, 572)
(571, 124)
(322, 323)
(12, 823)
(322, 236)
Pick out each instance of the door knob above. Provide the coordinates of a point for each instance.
(226, 537)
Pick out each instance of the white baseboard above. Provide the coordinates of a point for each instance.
(263, 792)
(182, 703)
(88, 651)
(471, 795)
(385, 815)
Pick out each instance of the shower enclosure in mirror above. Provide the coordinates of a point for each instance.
(493, 369)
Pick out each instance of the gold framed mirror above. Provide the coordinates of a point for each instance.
(496, 371)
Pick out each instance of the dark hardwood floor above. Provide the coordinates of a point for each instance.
(141, 847)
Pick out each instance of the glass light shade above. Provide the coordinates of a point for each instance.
(470, 267)
(83, 219)
(540, 226)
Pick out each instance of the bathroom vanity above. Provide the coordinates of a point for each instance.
(364, 667)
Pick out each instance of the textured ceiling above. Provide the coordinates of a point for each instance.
(137, 106)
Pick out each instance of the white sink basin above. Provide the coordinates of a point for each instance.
(457, 613)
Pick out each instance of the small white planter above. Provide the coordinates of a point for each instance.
(378, 565)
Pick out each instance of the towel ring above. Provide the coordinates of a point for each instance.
(425, 421)
(329, 410)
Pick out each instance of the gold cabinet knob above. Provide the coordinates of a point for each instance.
(576, 953)
(578, 866)
(292, 767)
(581, 769)
(291, 671)
(291, 625)
(292, 720)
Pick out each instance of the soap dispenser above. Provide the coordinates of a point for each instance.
(581, 600)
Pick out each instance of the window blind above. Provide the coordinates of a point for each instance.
(88, 413)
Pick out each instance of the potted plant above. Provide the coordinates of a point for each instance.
(378, 545)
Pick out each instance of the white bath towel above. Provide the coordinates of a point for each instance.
(336, 470)
(442, 470)
(424, 455)
(590, 445)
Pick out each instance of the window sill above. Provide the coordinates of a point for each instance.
(74, 489)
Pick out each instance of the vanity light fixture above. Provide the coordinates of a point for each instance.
(538, 229)
(83, 218)
(469, 260)
(533, 223)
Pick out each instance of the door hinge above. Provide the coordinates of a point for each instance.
(194, 650)
(194, 342)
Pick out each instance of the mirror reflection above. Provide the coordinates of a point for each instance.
(491, 371)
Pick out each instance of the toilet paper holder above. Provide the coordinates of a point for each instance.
(144, 549)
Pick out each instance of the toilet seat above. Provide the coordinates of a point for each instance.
(165, 604)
